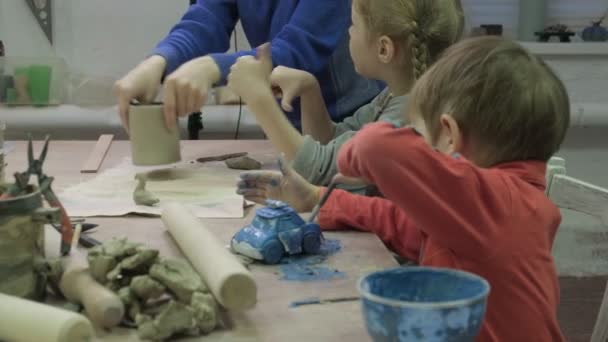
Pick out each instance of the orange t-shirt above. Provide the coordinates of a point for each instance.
(494, 222)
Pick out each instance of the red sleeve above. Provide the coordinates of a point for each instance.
(344, 210)
(448, 198)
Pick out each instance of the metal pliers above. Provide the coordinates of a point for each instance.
(44, 186)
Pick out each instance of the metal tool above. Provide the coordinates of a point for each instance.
(44, 184)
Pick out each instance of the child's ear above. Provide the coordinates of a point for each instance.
(386, 49)
(450, 138)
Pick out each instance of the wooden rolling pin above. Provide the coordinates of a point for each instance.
(23, 320)
(229, 281)
(101, 305)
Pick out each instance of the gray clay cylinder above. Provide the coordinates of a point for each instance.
(2, 162)
(532, 17)
(152, 143)
(6, 82)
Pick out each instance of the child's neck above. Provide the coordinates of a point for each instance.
(398, 83)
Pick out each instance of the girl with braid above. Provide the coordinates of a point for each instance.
(394, 41)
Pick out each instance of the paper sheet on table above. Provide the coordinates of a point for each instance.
(208, 190)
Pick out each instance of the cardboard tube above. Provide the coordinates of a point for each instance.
(151, 142)
(25, 321)
(229, 281)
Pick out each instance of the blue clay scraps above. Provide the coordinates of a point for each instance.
(310, 267)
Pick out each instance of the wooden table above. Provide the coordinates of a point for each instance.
(272, 319)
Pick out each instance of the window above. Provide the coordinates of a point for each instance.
(576, 14)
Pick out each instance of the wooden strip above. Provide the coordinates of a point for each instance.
(600, 331)
(99, 153)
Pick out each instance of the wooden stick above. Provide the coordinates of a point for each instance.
(76, 236)
(99, 153)
(25, 321)
(231, 284)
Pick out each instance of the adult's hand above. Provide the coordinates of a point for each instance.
(140, 84)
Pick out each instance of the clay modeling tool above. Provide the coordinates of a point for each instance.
(84, 240)
(229, 281)
(102, 306)
(26, 321)
(313, 301)
(44, 186)
(315, 211)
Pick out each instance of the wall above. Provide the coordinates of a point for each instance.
(98, 38)
(103, 38)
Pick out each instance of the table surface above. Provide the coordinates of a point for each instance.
(272, 319)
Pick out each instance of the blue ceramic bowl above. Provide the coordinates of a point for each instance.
(423, 304)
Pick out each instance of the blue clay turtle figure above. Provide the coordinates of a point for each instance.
(275, 231)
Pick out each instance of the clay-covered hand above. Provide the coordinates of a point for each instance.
(185, 91)
(287, 186)
(291, 84)
(249, 77)
(139, 84)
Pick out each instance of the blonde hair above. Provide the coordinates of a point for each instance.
(509, 105)
(426, 27)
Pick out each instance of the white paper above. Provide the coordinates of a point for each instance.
(208, 190)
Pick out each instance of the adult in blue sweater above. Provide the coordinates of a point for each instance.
(309, 35)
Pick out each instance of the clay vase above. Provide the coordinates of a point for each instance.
(22, 220)
(152, 143)
(595, 33)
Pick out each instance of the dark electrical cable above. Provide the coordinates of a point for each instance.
(238, 122)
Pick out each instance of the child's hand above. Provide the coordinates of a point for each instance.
(287, 186)
(250, 76)
(291, 83)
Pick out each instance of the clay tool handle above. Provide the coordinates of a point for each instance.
(102, 306)
(315, 211)
(84, 240)
(26, 321)
(229, 281)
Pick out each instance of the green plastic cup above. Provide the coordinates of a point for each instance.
(39, 84)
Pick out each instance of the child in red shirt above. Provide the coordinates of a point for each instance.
(465, 187)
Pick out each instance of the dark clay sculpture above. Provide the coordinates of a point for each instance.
(140, 195)
(243, 163)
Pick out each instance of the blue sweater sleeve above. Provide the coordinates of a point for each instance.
(205, 28)
(307, 41)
